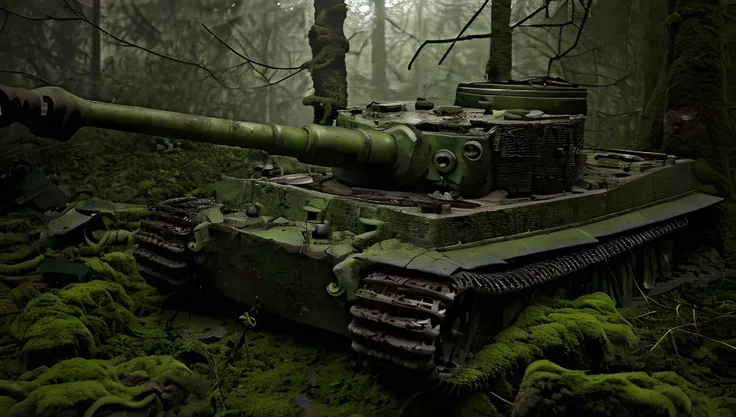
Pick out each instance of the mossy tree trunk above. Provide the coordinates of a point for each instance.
(499, 63)
(696, 124)
(329, 47)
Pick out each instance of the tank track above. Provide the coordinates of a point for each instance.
(162, 255)
(426, 324)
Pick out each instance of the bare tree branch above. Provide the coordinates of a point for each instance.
(586, 14)
(467, 25)
(392, 23)
(465, 38)
(81, 17)
(28, 75)
(45, 18)
(243, 56)
(5, 22)
(282, 79)
(611, 84)
(432, 41)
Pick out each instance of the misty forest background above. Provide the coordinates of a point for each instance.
(250, 60)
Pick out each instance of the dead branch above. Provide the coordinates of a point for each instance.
(244, 57)
(460, 38)
(522, 23)
(467, 25)
(81, 17)
(5, 22)
(44, 18)
(28, 75)
(397, 27)
(586, 14)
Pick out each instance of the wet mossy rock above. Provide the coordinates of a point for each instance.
(549, 388)
(73, 321)
(95, 388)
(586, 333)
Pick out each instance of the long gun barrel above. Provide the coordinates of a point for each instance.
(52, 112)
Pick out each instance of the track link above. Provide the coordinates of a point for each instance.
(405, 320)
(398, 318)
(162, 255)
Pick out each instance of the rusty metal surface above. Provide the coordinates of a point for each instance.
(161, 255)
(397, 318)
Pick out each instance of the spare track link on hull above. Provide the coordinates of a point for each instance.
(402, 319)
(162, 254)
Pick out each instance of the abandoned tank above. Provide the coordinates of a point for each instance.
(433, 228)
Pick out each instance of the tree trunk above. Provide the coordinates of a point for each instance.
(499, 63)
(329, 47)
(696, 124)
(655, 44)
(657, 61)
(378, 51)
(96, 70)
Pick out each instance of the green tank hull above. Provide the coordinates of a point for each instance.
(315, 281)
(436, 224)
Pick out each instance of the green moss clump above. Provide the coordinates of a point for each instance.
(583, 332)
(547, 386)
(121, 268)
(73, 321)
(101, 387)
(16, 225)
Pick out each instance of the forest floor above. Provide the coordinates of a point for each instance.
(109, 342)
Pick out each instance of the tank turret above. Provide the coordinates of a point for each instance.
(411, 146)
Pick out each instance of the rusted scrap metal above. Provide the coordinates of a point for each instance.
(407, 345)
(155, 240)
(398, 318)
(413, 325)
(163, 239)
(165, 228)
(395, 298)
(417, 286)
